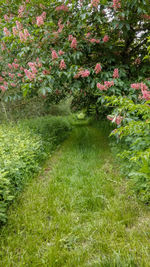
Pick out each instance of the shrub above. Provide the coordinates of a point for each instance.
(133, 131)
(23, 147)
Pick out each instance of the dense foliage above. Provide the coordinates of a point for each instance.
(23, 148)
(85, 48)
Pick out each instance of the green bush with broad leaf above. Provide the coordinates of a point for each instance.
(23, 148)
(134, 133)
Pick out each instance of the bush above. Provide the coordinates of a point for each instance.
(23, 147)
(133, 132)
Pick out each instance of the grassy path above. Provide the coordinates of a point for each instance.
(79, 212)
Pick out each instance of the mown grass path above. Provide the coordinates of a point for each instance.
(78, 212)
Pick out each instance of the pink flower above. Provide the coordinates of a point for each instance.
(19, 26)
(3, 88)
(54, 55)
(39, 21)
(26, 34)
(15, 32)
(106, 38)
(135, 86)
(10, 66)
(116, 73)
(93, 40)
(143, 87)
(19, 75)
(6, 31)
(109, 84)
(85, 73)
(98, 68)
(21, 35)
(62, 65)
(117, 119)
(146, 95)
(70, 37)
(95, 3)
(62, 7)
(88, 35)
(74, 43)
(44, 15)
(29, 74)
(16, 66)
(1, 79)
(21, 10)
(101, 87)
(116, 4)
(13, 84)
(6, 17)
(61, 52)
(11, 75)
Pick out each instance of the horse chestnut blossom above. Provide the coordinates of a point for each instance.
(3, 88)
(10, 66)
(54, 55)
(146, 95)
(95, 3)
(82, 73)
(116, 4)
(16, 66)
(62, 65)
(117, 119)
(70, 37)
(101, 87)
(116, 73)
(106, 38)
(62, 8)
(74, 43)
(93, 40)
(14, 30)
(29, 74)
(39, 21)
(6, 31)
(135, 86)
(60, 52)
(19, 26)
(98, 68)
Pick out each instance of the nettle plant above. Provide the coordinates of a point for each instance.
(133, 128)
(88, 49)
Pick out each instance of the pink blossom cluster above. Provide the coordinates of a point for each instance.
(60, 52)
(106, 85)
(11, 75)
(144, 90)
(62, 65)
(88, 35)
(117, 119)
(70, 38)
(1, 79)
(19, 26)
(24, 35)
(29, 74)
(106, 38)
(62, 8)
(116, 73)
(40, 19)
(6, 31)
(21, 11)
(54, 55)
(33, 66)
(6, 17)
(98, 68)
(15, 31)
(116, 4)
(95, 3)
(82, 73)
(3, 88)
(93, 40)
(61, 26)
(74, 43)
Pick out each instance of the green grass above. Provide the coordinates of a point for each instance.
(78, 212)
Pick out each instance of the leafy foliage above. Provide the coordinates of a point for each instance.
(134, 131)
(28, 144)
